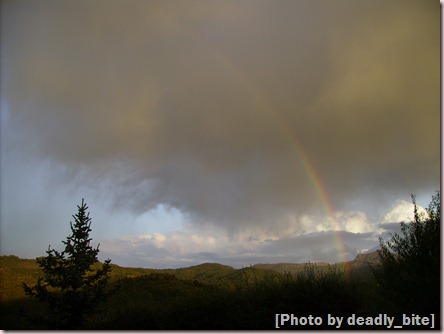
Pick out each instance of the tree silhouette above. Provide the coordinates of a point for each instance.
(74, 282)
(409, 273)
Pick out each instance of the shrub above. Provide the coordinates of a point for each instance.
(409, 273)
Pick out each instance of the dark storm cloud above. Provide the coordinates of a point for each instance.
(196, 104)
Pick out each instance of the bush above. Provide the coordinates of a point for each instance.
(409, 274)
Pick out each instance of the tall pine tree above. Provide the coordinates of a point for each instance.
(74, 283)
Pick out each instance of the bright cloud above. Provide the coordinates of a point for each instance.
(402, 211)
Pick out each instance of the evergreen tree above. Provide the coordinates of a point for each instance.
(71, 286)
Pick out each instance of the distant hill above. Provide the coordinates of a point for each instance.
(14, 271)
(288, 267)
(359, 267)
(365, 259)
(205, 272)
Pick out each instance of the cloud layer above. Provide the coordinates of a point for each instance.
(238, 114)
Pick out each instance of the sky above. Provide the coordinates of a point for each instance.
(236, 132)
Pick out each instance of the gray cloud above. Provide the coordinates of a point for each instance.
(198, 105)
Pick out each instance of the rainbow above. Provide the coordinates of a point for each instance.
(262, 100)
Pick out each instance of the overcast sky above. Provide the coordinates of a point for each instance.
(235, 132)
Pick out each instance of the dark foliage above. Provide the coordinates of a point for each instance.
(71, 286)
(409, 274)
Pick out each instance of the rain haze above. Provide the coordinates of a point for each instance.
(236, 132)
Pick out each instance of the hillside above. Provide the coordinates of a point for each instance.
(211, 273)
(289, 267)
(14, 271)
(358, 268)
